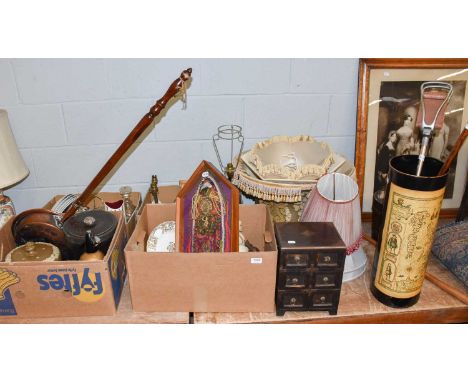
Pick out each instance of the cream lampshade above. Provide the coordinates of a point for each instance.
(336, 199)
(12, 166)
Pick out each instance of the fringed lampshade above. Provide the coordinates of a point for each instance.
(336, 199)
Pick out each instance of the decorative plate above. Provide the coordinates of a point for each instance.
(162, 238)
(292, 159)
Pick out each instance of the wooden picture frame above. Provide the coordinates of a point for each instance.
(210, 196)
(382, 81)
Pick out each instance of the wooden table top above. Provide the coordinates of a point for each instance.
(125, 315)
(357, 305)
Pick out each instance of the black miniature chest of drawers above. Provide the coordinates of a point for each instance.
(310, 267)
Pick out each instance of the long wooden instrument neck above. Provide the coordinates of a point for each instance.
(147, 119)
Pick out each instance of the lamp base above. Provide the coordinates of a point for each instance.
(355, 265)
(7, 209)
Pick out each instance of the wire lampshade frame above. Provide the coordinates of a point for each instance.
(231, 134)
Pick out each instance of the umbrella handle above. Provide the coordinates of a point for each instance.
(454, 152)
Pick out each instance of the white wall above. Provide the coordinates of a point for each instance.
(69, 115)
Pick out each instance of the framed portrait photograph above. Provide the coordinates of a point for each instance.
(388, 104)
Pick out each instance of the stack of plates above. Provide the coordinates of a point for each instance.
(64, 202)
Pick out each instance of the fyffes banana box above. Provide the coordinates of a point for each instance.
(61, 288)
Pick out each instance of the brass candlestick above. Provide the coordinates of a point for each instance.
(154, 189)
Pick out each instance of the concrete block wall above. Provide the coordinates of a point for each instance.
(69, 115)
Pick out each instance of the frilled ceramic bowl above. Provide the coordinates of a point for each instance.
(292, 159)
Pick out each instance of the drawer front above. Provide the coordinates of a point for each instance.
(327, 279)
(329, 259)
(296, 260)
(290, 280)
(324, 299)
(291, 300)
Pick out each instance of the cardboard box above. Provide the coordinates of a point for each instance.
(98, 202)
(62, 288)
(166, 194)
(203, 282)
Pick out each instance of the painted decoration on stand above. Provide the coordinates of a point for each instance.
(7, 210)
(207, 213)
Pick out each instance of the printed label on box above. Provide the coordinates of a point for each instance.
(7, 279)
(84, 286)
(256, 260)
(118, 271)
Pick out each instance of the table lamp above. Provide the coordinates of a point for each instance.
(336, 199)
(12, 167)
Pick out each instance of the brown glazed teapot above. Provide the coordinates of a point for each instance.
(44, 225)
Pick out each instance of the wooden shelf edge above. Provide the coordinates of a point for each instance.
(438, 316)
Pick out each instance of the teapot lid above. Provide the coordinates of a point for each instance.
(100, 223)
(34, 252)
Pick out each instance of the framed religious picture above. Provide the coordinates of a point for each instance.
(388, 104)
(207, 213)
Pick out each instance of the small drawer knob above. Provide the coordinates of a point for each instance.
(325, 279)
(323, 298)
(297, 258)
(327, 259)
(295, 280)
(293, 300)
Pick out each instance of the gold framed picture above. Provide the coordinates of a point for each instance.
(388, 102)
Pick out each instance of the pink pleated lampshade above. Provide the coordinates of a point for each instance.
(336, 199)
